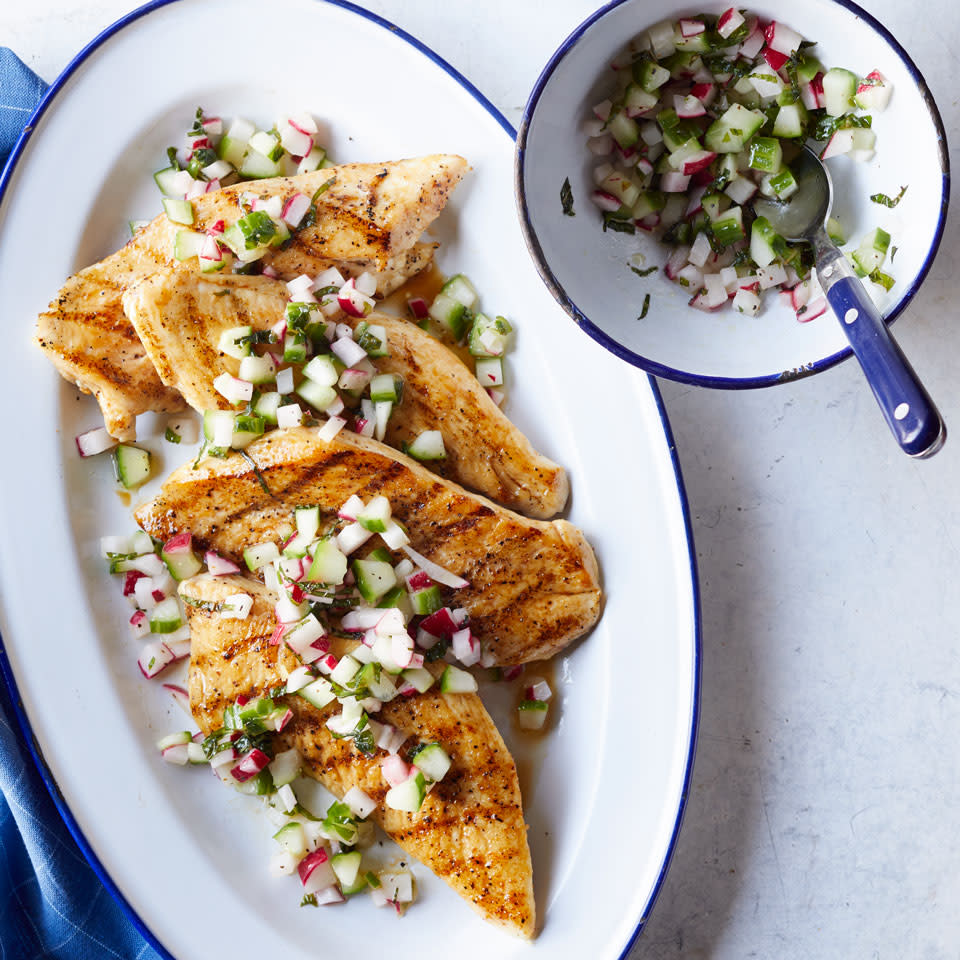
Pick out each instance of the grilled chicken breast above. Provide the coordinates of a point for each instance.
(534, 585)
(179, 319)
(469, 831)
(369, 218)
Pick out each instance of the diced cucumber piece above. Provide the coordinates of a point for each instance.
(374, 578)
(650, 75)
(808, 67)
(450, 313)
(375, 515)
(532, 714)
(728, 227)
(266, 144)
(418, 678)
(317, 395)
(178, 210)
(489, 371)
(329, 563)
(169, 181)
(766, 154)
(256, 166)
(307, 520)
(266, 406)
(131, 464)
(839, 86)
(165, 616)
(260, 555)
(638, 100)
(235, 342)
(319, 693)
(186, 244)
(181, 565)
(780, 185)
(428, 445)
(730, 132)
(373, 338)
(322, 370)
(294, 348)
(791, 121)
(258, 370)
(455, 680)
(218, 427)
(285, 767)
(347, 867)
(765, 243)
(292, 838)
(407, 796)
(433, 761)
(835, 231)
(624, 129)
(345, 670)
(460, 289)
(386, 387)
(489, 336)
(426, 600)
(871, 252)
(714, 204)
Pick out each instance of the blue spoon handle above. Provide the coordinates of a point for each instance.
(910, 413)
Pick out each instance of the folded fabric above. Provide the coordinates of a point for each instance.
(52, 904)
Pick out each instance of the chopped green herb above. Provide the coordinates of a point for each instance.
(256, 472)
(566, 198)
(883, 199)
(172, 158)
(257, 228)
(827, 125)
(222, 293)
(645, 272)
(309, 900)
(197, 127)
(619, 226)
(646, 307)
(893, 253)
(884, 279)
(171, 436)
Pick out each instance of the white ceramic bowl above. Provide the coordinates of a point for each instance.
(587, 271)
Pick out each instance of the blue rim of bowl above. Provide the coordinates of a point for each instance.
(6, 669)
(646, 363)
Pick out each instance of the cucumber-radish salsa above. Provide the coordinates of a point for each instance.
(708, 113)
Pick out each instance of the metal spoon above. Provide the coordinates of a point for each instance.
(906, 405)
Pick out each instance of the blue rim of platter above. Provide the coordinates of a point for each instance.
(6, 670)
(652, 366)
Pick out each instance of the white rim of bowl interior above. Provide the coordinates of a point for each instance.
(646, 363)
(6, 670)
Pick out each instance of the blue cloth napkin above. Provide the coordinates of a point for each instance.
(51, 902)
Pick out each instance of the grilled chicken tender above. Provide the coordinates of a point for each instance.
(180, 318)
(469, 831)
(370, 218)
(533, 585)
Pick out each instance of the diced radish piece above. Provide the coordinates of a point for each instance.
(439, 624)
(705, 92)
(813, 310)
(740, 190)
(688, 107)
(348, 350)
(698, 161)
(232, 389)
(754, 42)
(602, 110)
(775, 59)
(466, 647)
(301, 289)
(418, 307)
(352, 302)
(94, 441)
(772, 276)
(289, 415)
(729, 21)
(601, 146)
(218, 566)
(808, 96)
(331, 428)
(873, 92)
(693, 277)
(676, 261)
(315, 871)
(691, 28)
(674, 182)
(438, 573)
(295, 209)
(650, 222)
(395, 771)
(746, 301)
(782, 38)
(700, 250)
(715, 293)
(841, 142)
(139, 623)
(366, 283)
(180, 695)
(606, 201)
(154, 658)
